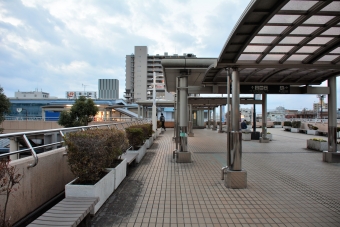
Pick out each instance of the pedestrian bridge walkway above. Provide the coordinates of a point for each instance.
(288, 185)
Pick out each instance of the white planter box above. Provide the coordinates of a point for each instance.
(149, 142)
(119, 173)
(270, 137)
(294, 130)
(102, 189)
(311, 132)
(277, 126)
(154, 135)
(141, 152)
(317, 145)
(287, 128)
(246, 136)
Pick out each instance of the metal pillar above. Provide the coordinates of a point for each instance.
(236, 134)
(220, 126)
(264, 138)
(236, 176)
(154, 113)
(209, 115)
(138, 111)
(175, 118)
(214, 128)
(191, 122)
(183, 105)
(332, 155)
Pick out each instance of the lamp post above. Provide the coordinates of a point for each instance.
(154, 117)
(321, 97)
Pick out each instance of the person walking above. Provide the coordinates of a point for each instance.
(162, 119)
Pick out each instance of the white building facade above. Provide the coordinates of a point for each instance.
(139, 75)
(108, 88)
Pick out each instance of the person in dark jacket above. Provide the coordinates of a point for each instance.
(162, 120)
(244, 124)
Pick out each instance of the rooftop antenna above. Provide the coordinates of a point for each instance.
(84, 85)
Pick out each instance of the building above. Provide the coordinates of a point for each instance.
(31, 95)
(77, 94)
(108, 88)
(139, 75)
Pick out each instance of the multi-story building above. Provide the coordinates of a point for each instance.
(108, 88)
(31, 95)
(139, 75)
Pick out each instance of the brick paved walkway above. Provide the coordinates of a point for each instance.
(288, 185)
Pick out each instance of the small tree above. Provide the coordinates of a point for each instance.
(4, 106)
(81, 113)
(8, 179)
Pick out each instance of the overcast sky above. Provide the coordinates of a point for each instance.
(58, 46)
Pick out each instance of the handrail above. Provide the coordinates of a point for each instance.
(62, 132)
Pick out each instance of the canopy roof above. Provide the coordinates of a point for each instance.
(282, 42)
(276, 42)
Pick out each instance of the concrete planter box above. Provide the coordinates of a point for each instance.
(277, 126)
(317, 145)
(154, 135)
(149, 142)
(294, 130)
(246, 136)
(311, 132)
(270, 137)
(102, 189)
(119, 173)
(141, 152)
(287, 128)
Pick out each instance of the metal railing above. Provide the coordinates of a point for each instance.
(23, 118)
(62, 131)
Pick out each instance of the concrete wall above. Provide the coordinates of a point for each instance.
(39, 184)
(23, 126)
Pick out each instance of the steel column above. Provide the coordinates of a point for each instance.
(332, 116)
(183, 111)
(236, 153)
(264, 116)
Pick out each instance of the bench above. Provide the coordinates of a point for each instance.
(130, 157)
(71, 211)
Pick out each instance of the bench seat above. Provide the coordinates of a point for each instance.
(71, 211)
(130, 157)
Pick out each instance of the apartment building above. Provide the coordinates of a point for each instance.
(108, 88)
(139, 75)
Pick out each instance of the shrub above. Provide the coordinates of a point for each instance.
(277, 122)
(9, 178)
(145, 129)
(296, 124)
(287, 123)
(320, 140)
(91, 151)
(312, 127)
(135, 136)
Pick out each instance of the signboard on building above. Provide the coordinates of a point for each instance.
(77, 94)
(265, 89)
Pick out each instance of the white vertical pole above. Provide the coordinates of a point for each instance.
(154, 117)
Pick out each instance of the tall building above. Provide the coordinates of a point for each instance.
(139, 75)
(108, 88)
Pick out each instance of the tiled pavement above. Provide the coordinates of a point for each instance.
(288, 185)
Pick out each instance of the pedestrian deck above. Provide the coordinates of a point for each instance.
(288, 185)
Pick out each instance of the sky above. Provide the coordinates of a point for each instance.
(58, 46)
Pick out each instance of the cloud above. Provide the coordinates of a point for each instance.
(58, 46)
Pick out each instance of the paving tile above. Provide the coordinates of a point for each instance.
(288, 185)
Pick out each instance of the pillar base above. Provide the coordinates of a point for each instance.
(191, 134)
(183, 157)
(264, 140)
(331, 157)
(236, 179)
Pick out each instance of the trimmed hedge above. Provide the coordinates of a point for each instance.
(90, 152)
